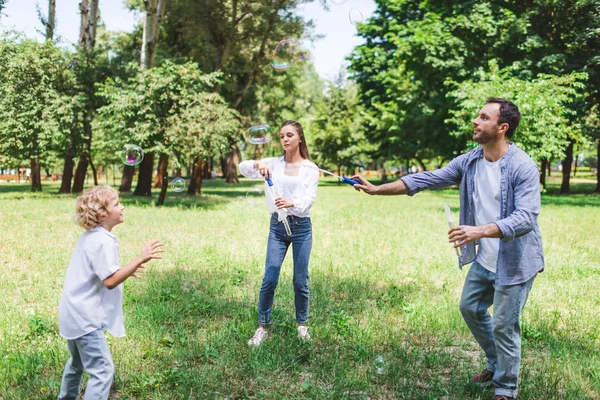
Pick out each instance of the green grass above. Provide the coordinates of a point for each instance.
(383, 281)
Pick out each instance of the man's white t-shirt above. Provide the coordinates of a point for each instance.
(86, 304)
(486, 198)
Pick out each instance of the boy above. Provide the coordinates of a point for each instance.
(93, 295)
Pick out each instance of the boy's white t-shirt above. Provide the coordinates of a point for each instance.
(86, 304)
(486, 199)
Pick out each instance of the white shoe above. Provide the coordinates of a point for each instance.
(303, 333)
(259, 336)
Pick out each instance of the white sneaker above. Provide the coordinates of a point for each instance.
(259, 336)
(303, 333)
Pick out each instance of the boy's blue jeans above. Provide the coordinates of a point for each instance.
(90, 353)
(500, 337)
(279, 241)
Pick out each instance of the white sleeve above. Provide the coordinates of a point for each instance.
(247, 168)
(309, 193)
(105, 261)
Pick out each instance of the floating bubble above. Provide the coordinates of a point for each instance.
(132, 155)
(355, 16)
(259, 134)
(379, 365)
(286, 54)
(178, 185)
(258, 189)
(338, 2)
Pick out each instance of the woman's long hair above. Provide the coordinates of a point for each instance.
(302, 145)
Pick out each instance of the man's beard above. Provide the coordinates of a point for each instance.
(485, 137)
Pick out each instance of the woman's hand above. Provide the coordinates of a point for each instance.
(263, 168)
(280, 202)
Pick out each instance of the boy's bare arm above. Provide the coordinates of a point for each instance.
(149, 252)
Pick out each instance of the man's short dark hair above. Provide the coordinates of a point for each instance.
(509, 113)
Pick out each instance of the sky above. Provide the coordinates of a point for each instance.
(328, 54)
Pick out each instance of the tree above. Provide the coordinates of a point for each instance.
(154, 13)
(339, 138)
(34, 84)
(235, 38)
(546, 126)
(154, 109)
(84, 62)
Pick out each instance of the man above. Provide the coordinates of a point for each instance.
(499, 205)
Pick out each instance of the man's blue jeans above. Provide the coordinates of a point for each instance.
(500, 337)
(279, 241)
(90, 353)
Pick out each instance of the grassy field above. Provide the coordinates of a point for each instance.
(383, 281)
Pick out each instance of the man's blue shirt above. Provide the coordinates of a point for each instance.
(520, 255)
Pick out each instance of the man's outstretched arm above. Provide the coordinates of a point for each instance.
(392, 188)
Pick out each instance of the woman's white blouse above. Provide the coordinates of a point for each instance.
(301, 189)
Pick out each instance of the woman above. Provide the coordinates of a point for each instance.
(295, 179)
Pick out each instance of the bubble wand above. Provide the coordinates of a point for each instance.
(280, 212)
(451, 225)
(344, 179)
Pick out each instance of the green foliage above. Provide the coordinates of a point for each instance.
(546, 125)
(168, 109)
(339, 137)
(35, 97)
(416, 53)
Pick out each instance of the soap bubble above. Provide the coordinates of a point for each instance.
(259, 134)
(355, 16)
(286, 54)
(178, 185)
(132, 155)
(379, 365)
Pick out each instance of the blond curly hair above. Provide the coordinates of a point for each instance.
(93, 204)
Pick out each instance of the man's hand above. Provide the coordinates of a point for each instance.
(463, 234)
(280, 202)
(364, 185)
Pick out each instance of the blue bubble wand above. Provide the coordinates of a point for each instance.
(280, 212)
(344, 179)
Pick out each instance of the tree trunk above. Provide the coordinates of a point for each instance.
(208, 167)
(598, 168)
(566, 169)
(155, 11)
(126, 179)
(51, 23)
(164, 177)
(36, 181)
(384, 178)
(196, 180)
(543, 167)
(144, 184)
(575, 169)
(232, 158)
(550, 161)
(80, 172)
(162, 174)
(67, 175)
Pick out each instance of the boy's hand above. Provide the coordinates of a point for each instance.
(139, 271)
(151, 250)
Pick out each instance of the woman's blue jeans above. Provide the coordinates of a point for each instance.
(279, 241)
